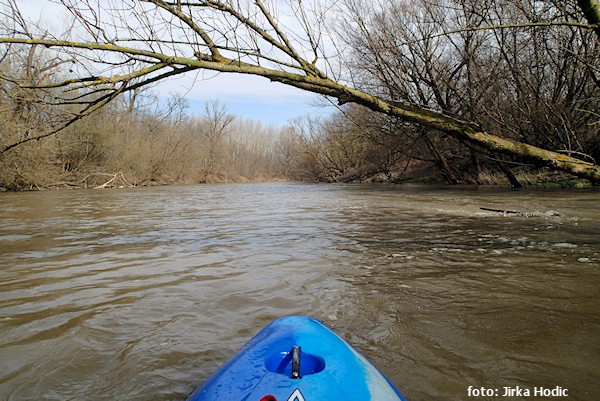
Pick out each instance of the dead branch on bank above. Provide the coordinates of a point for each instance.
(117, 180)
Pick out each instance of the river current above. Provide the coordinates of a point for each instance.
(140, 294)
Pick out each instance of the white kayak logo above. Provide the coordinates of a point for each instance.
(296, 396)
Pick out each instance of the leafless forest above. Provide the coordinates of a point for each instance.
(463, 91)
(121, 146)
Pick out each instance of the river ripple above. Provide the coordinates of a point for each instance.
(140, 294)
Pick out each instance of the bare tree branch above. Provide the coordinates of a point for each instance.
(216, 23)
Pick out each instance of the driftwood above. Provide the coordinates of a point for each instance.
(501, 211)
(113, 180)
(116, 180)
(548, 213)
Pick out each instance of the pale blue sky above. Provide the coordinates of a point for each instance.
(278, 114)
(245, 96)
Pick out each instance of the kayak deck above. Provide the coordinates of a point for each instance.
(297, 358)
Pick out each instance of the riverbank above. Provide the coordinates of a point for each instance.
(41, 181)
(120, 180)
(542, 178)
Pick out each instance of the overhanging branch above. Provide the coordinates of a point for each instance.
(306, 76)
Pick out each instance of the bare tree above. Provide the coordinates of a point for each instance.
(158, 39)
(472, 60)
(213, 128)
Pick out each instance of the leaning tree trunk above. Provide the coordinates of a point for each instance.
(442, 163)
(514, 182)
(320, 83)
(203, 51)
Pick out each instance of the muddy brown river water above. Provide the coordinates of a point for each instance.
(140, 294)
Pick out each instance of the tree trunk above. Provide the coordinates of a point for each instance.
(442, 163)
(476, 166)
(514, 182)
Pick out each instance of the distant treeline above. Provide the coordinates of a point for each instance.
(124, 146)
